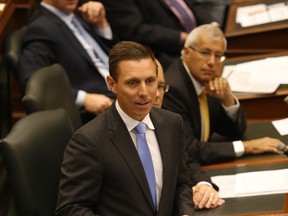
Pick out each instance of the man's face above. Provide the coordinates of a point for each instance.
(203, 59)
(160, 91)
(67, 6)
(136, 87)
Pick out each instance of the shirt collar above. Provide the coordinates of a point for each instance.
(198, 87)
(63, 16)
(130, 122)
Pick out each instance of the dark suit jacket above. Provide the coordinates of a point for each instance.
(102, 173)
(150, 22)
(182, 99)
(47, 41)
(208, 11)
(153, 23)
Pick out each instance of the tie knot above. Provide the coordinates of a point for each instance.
(140, 128)
(202, 95)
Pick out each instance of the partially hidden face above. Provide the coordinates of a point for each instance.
(160, 91)
(135, 87)
(67, 6)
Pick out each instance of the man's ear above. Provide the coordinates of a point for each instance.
(186, 51)
(111, 83)
(185, 54)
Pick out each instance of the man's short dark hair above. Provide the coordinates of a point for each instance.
(125, 51)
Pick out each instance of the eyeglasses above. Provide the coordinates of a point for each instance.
(207, 54)
(163, 87)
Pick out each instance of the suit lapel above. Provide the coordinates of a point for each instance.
(68, 34)
(121, 139)
(192, 97)
(163, 142)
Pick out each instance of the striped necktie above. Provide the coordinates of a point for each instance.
(183, 13)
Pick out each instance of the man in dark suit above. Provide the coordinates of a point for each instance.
(52, 38)
(149, 22)
(199, 70)
(102, 173)
(153, 22)
(205, 193)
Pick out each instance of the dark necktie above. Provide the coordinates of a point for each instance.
(183, 13)
(145, 156)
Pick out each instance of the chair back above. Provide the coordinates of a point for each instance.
(8, 69)
(13, 50)
(49, 88)
(32, 155)
(5, 101)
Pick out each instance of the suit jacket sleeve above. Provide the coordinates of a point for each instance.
(38, 50)
(222, 124)
(81, 178)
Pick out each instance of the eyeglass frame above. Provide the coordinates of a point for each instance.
(207, 54)
(163, 87)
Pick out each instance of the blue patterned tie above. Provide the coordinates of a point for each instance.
(89, 39)
(145, 156)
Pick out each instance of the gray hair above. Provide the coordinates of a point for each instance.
(212, 30)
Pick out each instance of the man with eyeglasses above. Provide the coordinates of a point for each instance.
(205, 192)
(198, 75)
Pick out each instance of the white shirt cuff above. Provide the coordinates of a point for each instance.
(80, 98)
(238, 148)
(204, 183)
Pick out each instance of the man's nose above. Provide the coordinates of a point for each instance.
(143, 89)
(211, 59)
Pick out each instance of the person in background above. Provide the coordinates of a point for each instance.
(163, 24)
(110, 166)
(197, 72)
(205, 193)
(57, 33)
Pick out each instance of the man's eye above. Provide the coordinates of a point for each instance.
(218, 56)
(132, 83)
(205, 53)
(150, 81)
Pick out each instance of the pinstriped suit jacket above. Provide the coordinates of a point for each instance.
(102, 173)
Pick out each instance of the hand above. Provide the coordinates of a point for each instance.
(205, 196)
(96, 103)
(94, 13)
(219, 88)
(261, 145)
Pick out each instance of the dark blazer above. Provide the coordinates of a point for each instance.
(182, 99)
(208, 11)
(150, 22)
(47, 41)
(102, 173)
